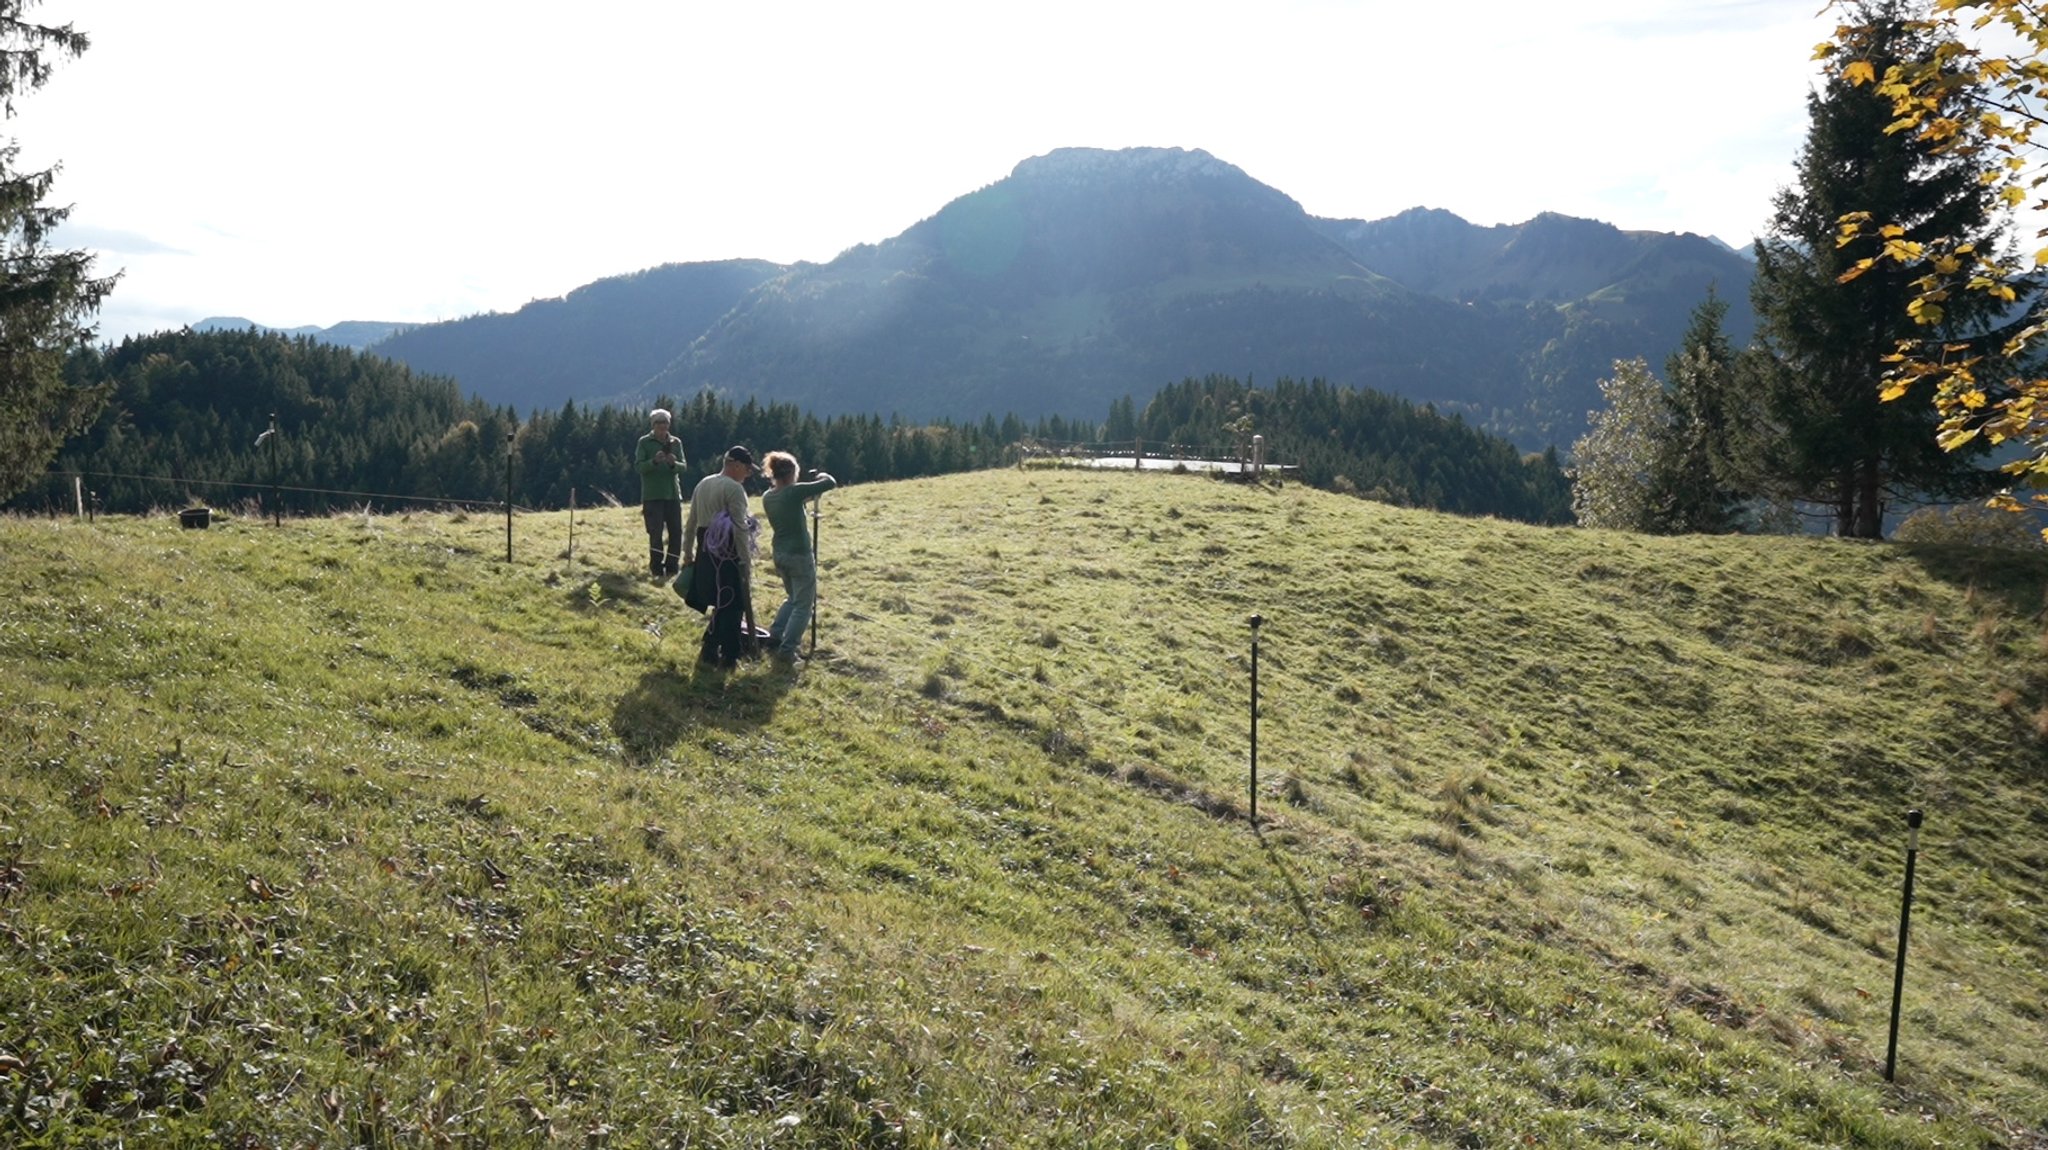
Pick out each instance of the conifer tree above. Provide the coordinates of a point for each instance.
(48, 297)
(1827, 437)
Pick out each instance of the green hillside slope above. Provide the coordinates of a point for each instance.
(350, 832)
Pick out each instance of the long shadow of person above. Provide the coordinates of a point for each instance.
(670, 702)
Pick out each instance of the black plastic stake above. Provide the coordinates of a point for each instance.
(1257, 621)
(508, 497)
(1891, 1050)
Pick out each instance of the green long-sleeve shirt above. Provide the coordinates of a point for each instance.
(659, 480)
(784, 507)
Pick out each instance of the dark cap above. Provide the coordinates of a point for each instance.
(737, 454)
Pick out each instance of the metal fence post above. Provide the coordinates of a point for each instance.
(1256, 621)
(1891, 1050)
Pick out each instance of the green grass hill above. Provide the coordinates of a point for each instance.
(350, 832)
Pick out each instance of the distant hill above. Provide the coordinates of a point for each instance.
(1087, 275)
(355, 334)
(1552, 258)
(601, 341)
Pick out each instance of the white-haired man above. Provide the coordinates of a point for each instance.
(659, 459)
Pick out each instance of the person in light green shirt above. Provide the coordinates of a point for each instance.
(784, 506)
(659, 459)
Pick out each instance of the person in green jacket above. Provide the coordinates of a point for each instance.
(659, 459)
(784, 506)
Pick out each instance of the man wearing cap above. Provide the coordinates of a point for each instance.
(659, 459)
(718, 539)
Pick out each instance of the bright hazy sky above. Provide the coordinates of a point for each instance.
(306, 163)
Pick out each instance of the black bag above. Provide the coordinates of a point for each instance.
(693, 582)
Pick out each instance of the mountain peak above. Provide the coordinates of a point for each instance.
(1163, 167)
(1095, 161)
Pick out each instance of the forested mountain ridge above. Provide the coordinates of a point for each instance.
(190, 416)
(602, 340)
(1361, 442)
(1087, 274)
(190, 412)
(354, 334)
(1551, 257)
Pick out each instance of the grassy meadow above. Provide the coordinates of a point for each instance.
(350, 833)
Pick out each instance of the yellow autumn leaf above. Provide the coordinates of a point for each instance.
(1859, 73)
(1894, 390)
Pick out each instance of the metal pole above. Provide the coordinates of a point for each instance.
(572, 529)
(1891, 1050)
(276, 509)
(1257, 620)
(812, 653)
(508, 497)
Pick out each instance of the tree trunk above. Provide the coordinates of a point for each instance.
(1869, 501)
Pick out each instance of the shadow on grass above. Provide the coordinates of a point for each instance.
(668, 705)
(614, 586)
(2017, 579)
(1324, 958)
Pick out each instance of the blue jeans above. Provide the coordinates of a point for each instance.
(800, 583)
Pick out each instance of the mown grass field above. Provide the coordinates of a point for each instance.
(351, 833)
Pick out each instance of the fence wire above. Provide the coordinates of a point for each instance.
(284, 488)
